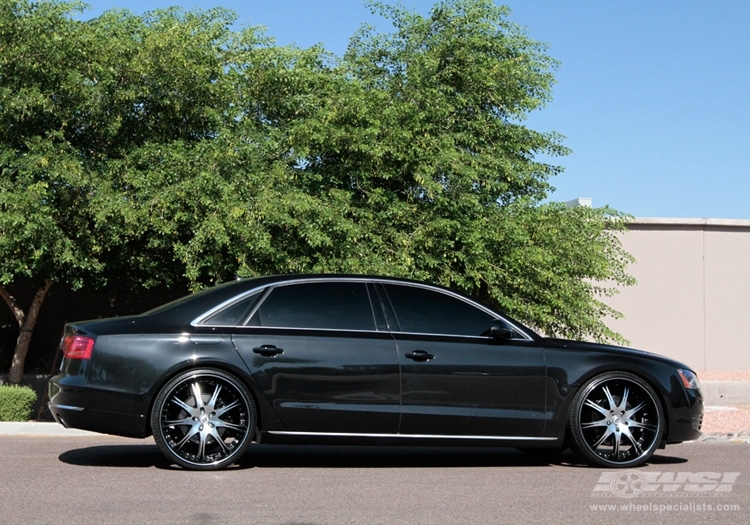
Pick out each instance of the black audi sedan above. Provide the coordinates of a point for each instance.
(358, 360)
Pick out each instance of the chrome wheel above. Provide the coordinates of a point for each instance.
(616, 420)
(203, 419)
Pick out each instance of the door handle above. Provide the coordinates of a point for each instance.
(420, 355)
(268, 350)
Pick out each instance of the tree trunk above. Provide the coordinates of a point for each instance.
(26, 323)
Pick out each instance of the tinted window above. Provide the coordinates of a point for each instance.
(234, 314)
(423, 311)
(339, 306)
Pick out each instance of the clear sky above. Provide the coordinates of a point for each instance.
(653, 96)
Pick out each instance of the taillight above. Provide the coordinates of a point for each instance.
(77, 347)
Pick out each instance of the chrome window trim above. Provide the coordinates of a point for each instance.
(338, 330)
(197, 322)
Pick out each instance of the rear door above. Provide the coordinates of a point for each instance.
(456, 380)
(317, 353)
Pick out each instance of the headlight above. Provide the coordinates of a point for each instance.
(689, 379)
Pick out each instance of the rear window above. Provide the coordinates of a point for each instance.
(234, 314)
(326, 305)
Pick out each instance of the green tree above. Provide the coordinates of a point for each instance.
(169, 148)
(422, 140)
(44, 213)
(130, 153)
(82, 106)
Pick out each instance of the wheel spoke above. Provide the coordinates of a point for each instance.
(192, 432)
(633, 441)
(612, 404)
(202, 447)
(180, 403)
(219, 441)
(223, 424)
(606, 434)
(214, 397)
(629, 413)
(646, 426)
(616, 444)
(624, 401)
(197, 395)
(594, 424)
(178, 422)
(603, 411)
(223, 410)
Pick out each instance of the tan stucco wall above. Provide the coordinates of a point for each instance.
(692, 300)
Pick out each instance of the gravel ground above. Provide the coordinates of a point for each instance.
(724, 375)
(726, 420)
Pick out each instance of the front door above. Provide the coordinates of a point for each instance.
(457, 380)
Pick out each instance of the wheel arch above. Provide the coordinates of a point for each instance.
(203, 363)
(600, 446)
(662, 392)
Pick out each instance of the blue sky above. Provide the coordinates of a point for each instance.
(653, 96)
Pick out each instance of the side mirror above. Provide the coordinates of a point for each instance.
(500, 330)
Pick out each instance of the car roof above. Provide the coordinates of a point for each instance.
(193, 305)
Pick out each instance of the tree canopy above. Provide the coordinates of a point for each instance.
(172, 148)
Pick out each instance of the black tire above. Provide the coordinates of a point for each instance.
(203, 419)
(616, 420)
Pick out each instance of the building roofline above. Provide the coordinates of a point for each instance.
(662, 221)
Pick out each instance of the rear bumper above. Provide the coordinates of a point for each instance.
(69, 407)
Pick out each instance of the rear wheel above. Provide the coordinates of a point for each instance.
(203, 419)
(616, 420)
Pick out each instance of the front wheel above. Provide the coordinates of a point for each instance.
(616, 420)
(203, 419)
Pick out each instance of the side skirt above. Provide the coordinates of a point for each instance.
(411, 436)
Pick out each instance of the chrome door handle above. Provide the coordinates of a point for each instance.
(268, 350)
(420, 355)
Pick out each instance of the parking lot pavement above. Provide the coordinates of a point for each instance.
(104, 479)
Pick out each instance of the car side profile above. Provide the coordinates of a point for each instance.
(362, 360)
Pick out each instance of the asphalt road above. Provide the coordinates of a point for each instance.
(102, 479)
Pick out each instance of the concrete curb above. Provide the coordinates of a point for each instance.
(720, 393)
(38, 428)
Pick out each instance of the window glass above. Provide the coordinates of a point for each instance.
(233, 314)
(424, 311)
(328, 305)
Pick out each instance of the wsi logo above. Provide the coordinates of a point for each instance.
(632, 483)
